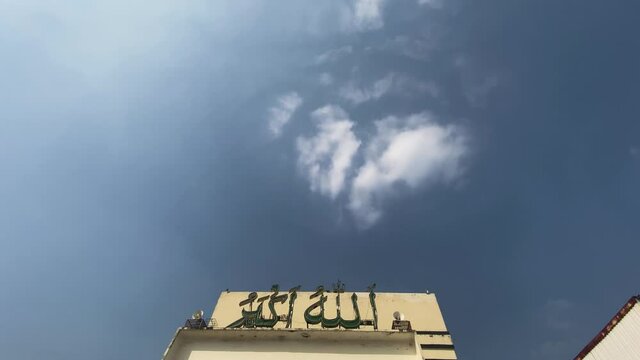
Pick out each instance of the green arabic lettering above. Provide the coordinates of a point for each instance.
(356, 321)
(338, 321)
(248, 318)
(316, 319)
(293, 295)
(253, 318)
(273, 298)
(335, 322)
(372, 300)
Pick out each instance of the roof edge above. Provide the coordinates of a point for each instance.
(609, 327)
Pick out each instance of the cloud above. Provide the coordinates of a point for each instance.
(408, 86)
(476, 86)
(430, 87)
(391, 83)
(364, 15)
(368, 14)
(358, 95)
(325, 79)
(333, 55)
(417, 48)
(280, 114)
(326, 157)
(413, 151)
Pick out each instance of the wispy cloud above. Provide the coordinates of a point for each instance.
(358, 95)
(368, 14)
(325, 79)
(412, 151)
(476, 85)
(280, 114)
(407, 86)
(417, 48)
(364, 15)
(333, 55)
(391, 83)
(326, 157)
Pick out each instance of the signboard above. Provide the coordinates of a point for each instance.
(402, 325)
(313, 315)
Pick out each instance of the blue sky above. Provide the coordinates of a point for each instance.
(153, 154)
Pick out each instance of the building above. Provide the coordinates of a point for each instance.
(317, 324)
(619, 339)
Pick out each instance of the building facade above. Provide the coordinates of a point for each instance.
(320, 324)
(620, 338)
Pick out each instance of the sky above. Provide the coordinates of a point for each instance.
(156, 153)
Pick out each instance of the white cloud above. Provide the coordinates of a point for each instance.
(358, 95)
(391, 83)
(413, 151)
(333, 55)
(368, 14)
(280, 114)
(364, 15)
(326, 157)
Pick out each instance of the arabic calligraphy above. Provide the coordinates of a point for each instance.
(313, 315)
(293, 295)
(372, 300)
(316, 319)
(338, 321)
(254, 318)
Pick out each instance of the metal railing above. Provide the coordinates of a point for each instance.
(200, 323)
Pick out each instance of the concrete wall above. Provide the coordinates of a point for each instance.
(283, 344)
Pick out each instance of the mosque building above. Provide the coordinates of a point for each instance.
(321, 324)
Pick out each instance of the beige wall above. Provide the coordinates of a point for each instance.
(299, 345)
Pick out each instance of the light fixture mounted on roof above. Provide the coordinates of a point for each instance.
(197, 315)
(399, 323)
(196, 321)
